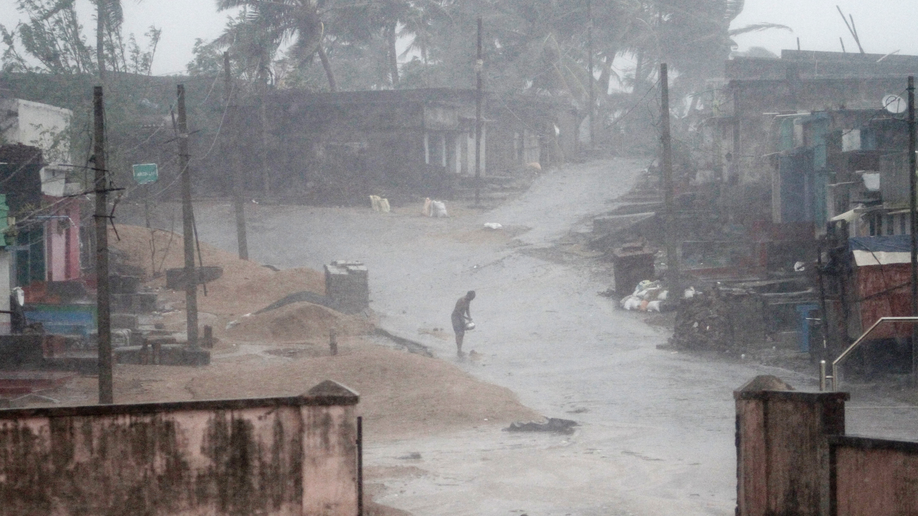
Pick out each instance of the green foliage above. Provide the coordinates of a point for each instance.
(52, 41)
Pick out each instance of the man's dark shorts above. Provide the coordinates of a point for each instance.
(458, 323)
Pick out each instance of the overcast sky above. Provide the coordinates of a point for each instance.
(883, 25)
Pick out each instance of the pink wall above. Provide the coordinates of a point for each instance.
(793, 458)
(781, 450)
(274, 456)
(872, 476)
(62, 240)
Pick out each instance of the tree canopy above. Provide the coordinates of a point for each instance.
(52, 41)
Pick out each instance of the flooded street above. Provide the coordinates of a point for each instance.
(655, 430)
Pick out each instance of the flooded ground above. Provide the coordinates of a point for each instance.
(655, 430)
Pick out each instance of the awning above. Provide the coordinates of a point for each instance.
(867, 258)
(848, 216)
(888, 244)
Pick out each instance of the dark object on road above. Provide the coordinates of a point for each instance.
(632, 263)
(609, 292)
(297, 297)
(723, 320)
(552, 424)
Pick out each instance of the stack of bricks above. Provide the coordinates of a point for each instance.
(347, 286)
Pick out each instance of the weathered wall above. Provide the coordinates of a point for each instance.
(782, 452)
(274, 456)
(801, 81)
(873, 476)
(62, 242)
(40, 125)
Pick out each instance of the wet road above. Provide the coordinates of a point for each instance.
(656, 432)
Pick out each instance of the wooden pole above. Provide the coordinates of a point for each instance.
(672, 259)
(103, 291)
(100, 39)
(913, 219)
(479, 64)
(238, 205)
(263, 150)
(191, 277)
(591, 77)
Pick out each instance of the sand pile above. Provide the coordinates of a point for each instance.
(296, 322)
(401, 394)
(245, 286)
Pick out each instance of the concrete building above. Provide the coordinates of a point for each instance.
(45, 127)
(35, 160)
(361, 142)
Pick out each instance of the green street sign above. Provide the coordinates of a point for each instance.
(146, 173)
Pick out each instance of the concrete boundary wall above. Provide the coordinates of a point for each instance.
(793, 458)
(272, 456)
(873, 476)
(782, 452)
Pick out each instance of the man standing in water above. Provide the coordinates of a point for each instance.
(461, 317)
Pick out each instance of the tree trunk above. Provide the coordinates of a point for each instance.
(638, 73)
(332, 85)
(393, 53)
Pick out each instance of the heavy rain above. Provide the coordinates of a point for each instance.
(441, 257)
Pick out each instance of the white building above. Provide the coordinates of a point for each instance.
(45, 127)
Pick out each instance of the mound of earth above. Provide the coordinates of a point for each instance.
(245, 286)
(296, 322)
(401, 394)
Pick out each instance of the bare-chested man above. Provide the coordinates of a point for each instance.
(461, 316)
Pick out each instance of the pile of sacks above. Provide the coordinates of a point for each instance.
(649, 296)
(380, 204)
(434, 208)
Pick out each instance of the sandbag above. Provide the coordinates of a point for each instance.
(438, 209)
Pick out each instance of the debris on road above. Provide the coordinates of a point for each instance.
(552, 424)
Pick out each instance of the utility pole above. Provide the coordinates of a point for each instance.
(103, 292)
(591, 77)
(479, 64)
(100, 39)
(191, 276)
(913, 219)
(263, 150)
(672, 260)
(239, 206)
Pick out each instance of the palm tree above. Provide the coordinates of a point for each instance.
(266, 25)
(109, 17)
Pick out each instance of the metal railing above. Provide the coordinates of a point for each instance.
(823, 378)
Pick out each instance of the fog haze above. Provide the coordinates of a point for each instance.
(883, 27)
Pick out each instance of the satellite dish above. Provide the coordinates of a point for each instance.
(894, 104)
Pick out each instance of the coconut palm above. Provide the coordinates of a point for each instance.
(109, 17)
(267, 25)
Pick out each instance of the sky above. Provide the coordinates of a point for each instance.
(883, 26)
